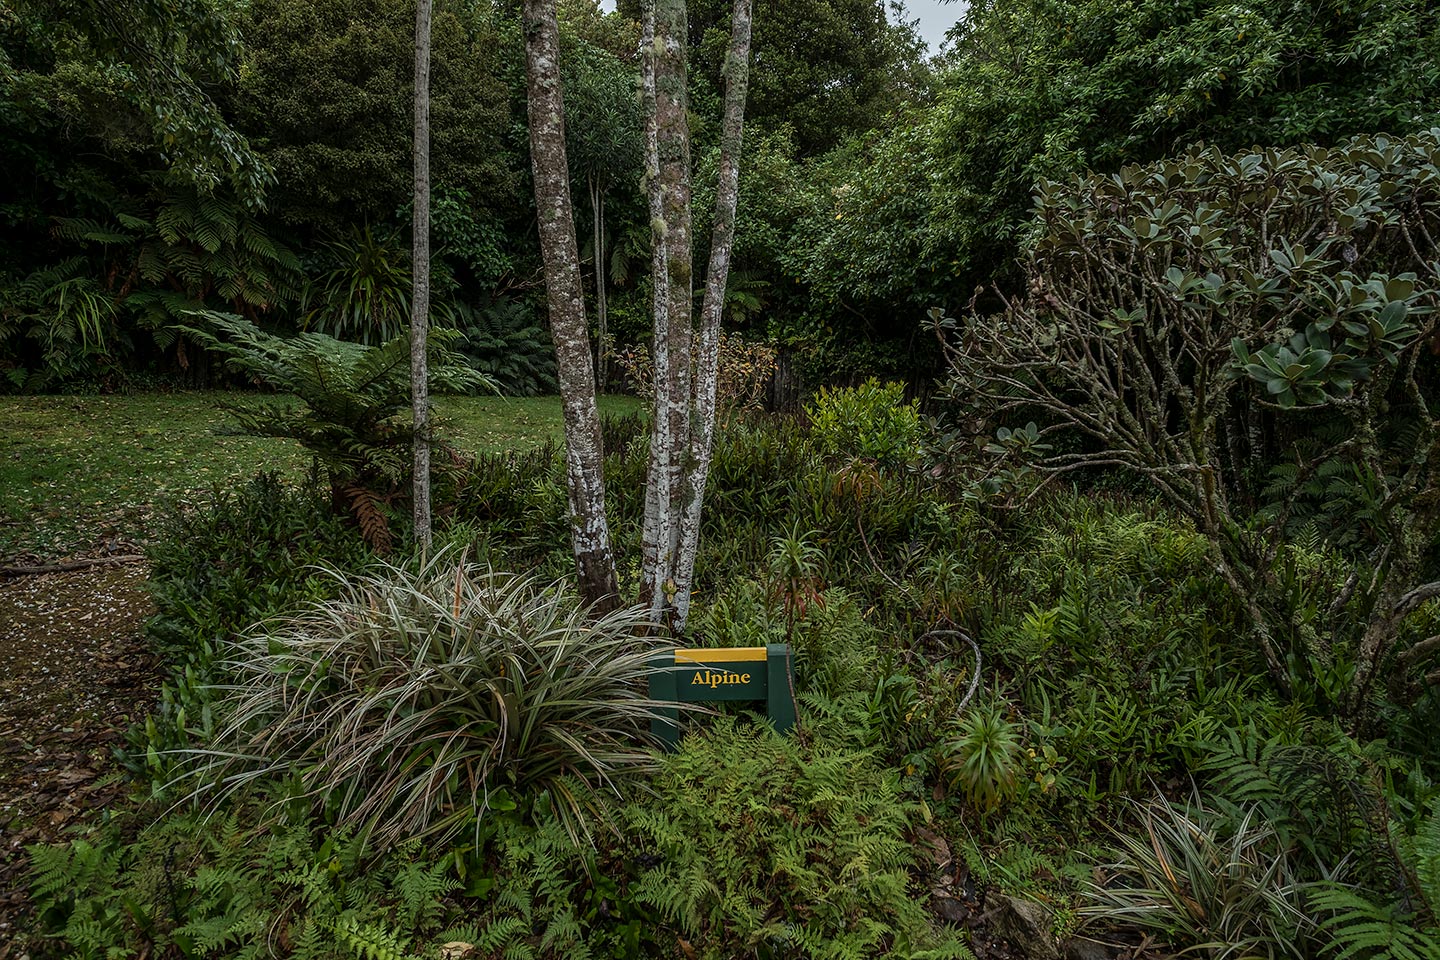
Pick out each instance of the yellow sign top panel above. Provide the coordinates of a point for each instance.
(721, 655)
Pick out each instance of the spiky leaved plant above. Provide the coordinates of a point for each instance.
(407, 705)
(985, 757)
(1222, 890)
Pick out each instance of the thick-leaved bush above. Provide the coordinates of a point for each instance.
(869, 422)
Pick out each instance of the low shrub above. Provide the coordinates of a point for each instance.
(985, 758)
(243, 555)
(195, 887)
(217, 569)
(870, 422)
(417, 699)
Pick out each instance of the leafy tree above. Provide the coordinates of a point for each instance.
(686, 359)
(326, 91)
(111, 137)
(686, 356)
(151, 65)
(888, 225)
(589, 524)
(1044, 88)
(1173, 313)
(824, 69)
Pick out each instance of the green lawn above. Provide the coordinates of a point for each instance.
(74, 470)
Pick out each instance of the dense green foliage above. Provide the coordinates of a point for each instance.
(1195, 320)
(1142, 626)
(1111, 667)
(876, 183)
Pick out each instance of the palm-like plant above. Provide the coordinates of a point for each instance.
(421, 698)
(365, 296)
(795, 574)
(355, 401)
(984, 758)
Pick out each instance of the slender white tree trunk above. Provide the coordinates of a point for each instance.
(722, 242)
(683, 430)
(597, 216)
(420, 265)
(589, 527)
(655, 532)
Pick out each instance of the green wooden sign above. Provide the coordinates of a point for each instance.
(733, 673)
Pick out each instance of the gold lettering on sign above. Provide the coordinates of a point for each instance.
(717, 678)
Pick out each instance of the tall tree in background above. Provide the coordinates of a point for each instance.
(683, 426)
(151, 65)
(420, 265)
(603, 145)
(589, 526)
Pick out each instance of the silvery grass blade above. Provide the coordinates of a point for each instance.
(405, 703)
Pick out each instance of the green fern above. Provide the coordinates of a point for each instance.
(420, 887)
(1358, 929)
(354, 399)
(370, 941)
(1423, 850)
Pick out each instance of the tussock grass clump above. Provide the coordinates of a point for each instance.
(418, 699)
(1227, 890)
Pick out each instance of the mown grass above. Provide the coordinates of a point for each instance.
(75, 470)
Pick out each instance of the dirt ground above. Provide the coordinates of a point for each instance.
(74, 673)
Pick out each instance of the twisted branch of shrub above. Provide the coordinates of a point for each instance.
(69, 566)
(1180, 313)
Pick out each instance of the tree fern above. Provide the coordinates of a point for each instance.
(354, 401)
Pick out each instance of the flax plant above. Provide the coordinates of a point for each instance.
(423, 698)
(1216, 890)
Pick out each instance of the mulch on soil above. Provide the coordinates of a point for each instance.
(74, 674)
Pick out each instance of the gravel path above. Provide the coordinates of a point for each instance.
(74, 673)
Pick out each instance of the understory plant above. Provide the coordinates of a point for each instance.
(986, 756)
(194, 887)
(218, 568)
(1226, 884)
(353, 410)
(1225, 891)
(869, 422)
(420, 698)
(767, 846)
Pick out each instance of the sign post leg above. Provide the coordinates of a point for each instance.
(780, 683)
(664, 721)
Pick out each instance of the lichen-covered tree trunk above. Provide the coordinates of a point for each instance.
(589, 527)
(668, 174)
(420, 265)
(722, 241)
(683, 427)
